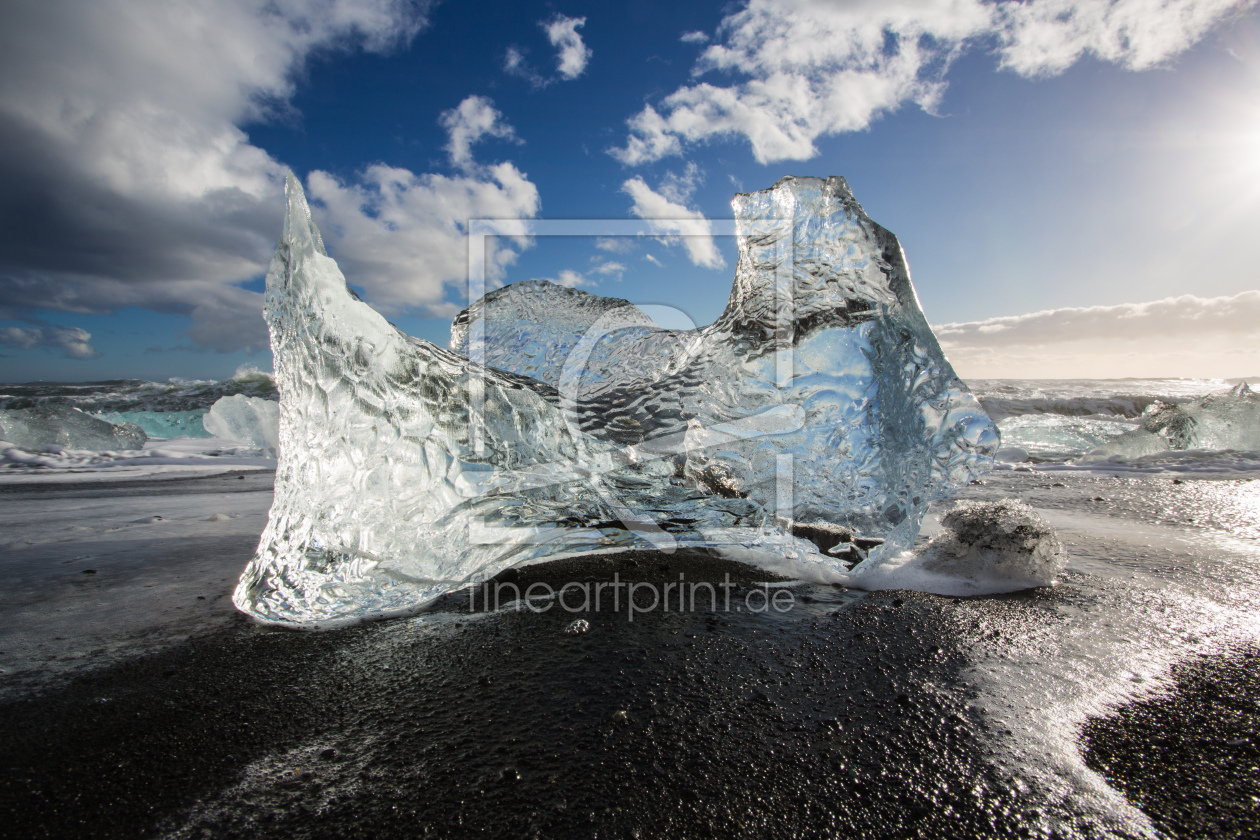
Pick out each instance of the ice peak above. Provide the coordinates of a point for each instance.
(300, 231)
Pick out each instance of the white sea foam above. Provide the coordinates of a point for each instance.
(155, 460)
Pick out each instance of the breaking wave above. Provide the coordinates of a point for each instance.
(127, 396)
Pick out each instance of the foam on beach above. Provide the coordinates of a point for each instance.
(158, 458)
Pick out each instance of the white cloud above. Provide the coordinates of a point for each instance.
(472, 119)
(671, 219)
(573, 54)
(696, 37)
(609, 268)
(614, 244)
(1045, 37)
(653, 260)
(401, 235)
(568, 278)
(679, 188)
(121, 151)
(811, 68)
(514, 64)
(73, 342)
(1179, 336)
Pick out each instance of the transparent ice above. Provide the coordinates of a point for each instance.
(247, 419)
(65, 427)
(161, 424)
(1217, 421)
(564, 423)
(982, 548)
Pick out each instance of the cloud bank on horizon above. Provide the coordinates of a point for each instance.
(1175, 336)
(128, 180)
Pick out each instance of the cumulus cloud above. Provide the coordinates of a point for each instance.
(1180, 336)
(696, 37)
(672, 220)
(611, 268)
(515, 64)
(1045, 37)
(72, 342)
(572, 54)
(809, 68)
(472, 119)
(614, 244)
(125, 179)
(571, 279)
(568, 278)
(402, 236)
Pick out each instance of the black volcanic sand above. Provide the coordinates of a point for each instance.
(676, 724)
(1206, 733)
(847, 715)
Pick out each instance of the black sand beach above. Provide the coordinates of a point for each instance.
(850, 714)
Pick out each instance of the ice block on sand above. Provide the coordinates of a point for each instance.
(820, 397)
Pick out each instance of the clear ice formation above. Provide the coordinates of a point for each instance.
(564, 423)
(65, 427)
(1218, 421)
(983, 548)
(250, 420)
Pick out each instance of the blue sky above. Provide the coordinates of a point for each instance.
(1076, 182)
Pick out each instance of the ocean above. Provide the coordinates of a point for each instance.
(1121, 702)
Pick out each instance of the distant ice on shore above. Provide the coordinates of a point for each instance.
(131, 428)
(251, 420)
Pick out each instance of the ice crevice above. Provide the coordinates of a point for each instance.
(819, 402)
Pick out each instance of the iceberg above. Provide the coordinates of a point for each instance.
(64, 427)
(562, 423)
(1218, 421)
(251, 420)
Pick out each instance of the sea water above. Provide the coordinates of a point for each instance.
(1056, 423)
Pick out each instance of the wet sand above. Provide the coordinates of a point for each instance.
(847, 715)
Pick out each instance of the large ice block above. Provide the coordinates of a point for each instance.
(65, 427)
(406, 471)
(822, 366)
(247, 419)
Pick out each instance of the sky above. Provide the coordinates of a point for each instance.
(1076, 183)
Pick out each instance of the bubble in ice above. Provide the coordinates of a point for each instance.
(563, 423)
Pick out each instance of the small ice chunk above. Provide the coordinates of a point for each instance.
(64, 427)
(1218, 421)
(247, 419)
(983, 548)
